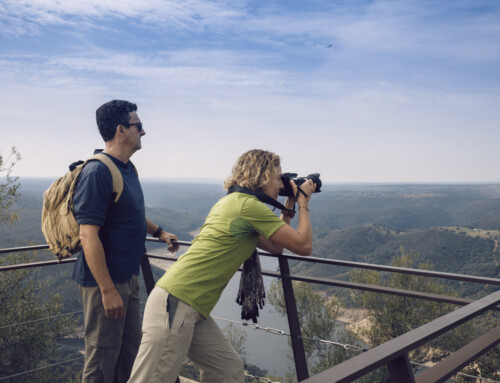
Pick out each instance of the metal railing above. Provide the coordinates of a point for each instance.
(393, 354)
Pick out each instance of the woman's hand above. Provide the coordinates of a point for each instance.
(290, 200)
(308, 187)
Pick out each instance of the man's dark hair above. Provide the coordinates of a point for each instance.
(112, 114)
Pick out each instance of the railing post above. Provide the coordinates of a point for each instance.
(299, 354)
(400, 370)
(147, 273)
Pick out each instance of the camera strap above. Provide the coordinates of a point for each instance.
(299, 190)
(261, 196)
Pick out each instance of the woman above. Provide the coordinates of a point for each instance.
(177, 318)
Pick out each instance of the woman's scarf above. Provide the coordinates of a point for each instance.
(251, 293)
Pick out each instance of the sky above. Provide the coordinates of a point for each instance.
(360, 91)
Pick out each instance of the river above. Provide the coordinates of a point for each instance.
(265, 350)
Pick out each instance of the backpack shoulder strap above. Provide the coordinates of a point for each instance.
(115, 173)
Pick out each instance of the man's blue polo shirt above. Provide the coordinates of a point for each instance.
(123, 224)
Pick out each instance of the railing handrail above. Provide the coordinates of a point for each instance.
(295, 277)
(328, 261)
(394, 353)
(395, 269)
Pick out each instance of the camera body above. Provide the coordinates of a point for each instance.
(287, 190)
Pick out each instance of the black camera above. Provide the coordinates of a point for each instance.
(287, 177)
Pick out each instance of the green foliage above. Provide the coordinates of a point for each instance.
(487, 366)
(27, 339)
(8, 187)
(391, 316)
(254, 373)
(190, 371)
(237, 337)
(446, 249)
(317, 317)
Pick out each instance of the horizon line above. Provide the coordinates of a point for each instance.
(202, 180)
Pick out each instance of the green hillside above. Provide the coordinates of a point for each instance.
(27, 230)
(183, 197)
(406, 207)
(450, 249)
(351, 222)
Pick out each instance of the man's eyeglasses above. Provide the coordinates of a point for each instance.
(138, 124)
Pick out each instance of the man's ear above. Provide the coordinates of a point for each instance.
(119, 130)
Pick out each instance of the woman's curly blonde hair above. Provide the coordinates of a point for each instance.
(253, 169)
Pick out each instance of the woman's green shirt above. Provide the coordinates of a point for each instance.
(227, 238)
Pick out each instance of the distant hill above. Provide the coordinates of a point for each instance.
(407, 207)
(183, 197)
(401, 207)
(180, 196)
(27, 230)
(451, 249)
(352, 222)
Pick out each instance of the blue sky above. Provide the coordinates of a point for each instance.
(360, 91)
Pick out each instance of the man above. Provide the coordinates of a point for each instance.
(113, 238)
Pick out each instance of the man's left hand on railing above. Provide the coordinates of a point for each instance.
(168, 238)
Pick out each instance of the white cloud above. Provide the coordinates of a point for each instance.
(399, 91)
(32, 15)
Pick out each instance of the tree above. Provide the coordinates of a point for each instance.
(29, 319)
(237, 337)
(9, 186)
(190, 371)
(318, 320)
(29, 325)
(486, 366)
(391, 316)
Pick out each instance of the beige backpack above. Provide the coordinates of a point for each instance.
(59, 225)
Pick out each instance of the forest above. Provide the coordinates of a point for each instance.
(450, 228)
(456, 228)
